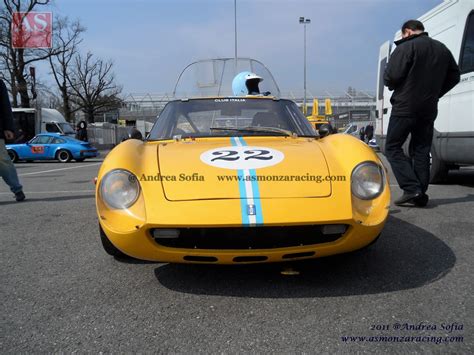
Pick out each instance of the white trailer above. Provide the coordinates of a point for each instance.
(32, 121)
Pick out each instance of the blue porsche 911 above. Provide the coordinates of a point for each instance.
(52, 146)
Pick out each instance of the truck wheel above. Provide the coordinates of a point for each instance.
(438, 169)
(13, 156)
(63, 156)
(109, 247)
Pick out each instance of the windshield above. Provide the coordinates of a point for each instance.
(213, 77)
(67, 128)
(230, 117)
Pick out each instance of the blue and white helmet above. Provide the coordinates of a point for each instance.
(246, 83)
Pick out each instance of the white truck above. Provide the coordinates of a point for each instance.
(29, 121)
(452, 23)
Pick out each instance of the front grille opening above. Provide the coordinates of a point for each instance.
(246, 259)
(203, 259)
(298, 255)
(248, 238)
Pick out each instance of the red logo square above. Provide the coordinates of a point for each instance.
(32, 29)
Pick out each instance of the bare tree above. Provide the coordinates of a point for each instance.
(48, 96)
(93, 85)
(16, 60)
(66, 38)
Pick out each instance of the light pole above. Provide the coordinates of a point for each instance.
(304, 22)
(235, 36)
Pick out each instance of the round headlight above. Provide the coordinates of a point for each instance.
(367, 181)
(119, 189)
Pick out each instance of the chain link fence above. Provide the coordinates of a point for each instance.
(107, 135)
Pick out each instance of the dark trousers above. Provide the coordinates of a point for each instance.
(412, 174)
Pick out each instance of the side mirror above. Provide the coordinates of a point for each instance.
(325, 130)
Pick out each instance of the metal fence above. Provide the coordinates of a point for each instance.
(106, 135)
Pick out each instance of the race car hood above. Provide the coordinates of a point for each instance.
(240, 168)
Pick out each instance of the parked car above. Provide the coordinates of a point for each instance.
(239, 179)
(52, 146)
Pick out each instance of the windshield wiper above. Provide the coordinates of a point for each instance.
(256, 129)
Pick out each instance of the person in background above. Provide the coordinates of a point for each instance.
(369, 132)
(82, 131)
(420, 71)
(362, 134)
(20, 138)
(7, 169)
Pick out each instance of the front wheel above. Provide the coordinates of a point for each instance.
(371, 244)
(63, 156)
(109, 247)
(13, 156)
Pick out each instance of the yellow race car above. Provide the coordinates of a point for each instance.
(239, 179)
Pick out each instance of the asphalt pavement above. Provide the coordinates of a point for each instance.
(410, 293)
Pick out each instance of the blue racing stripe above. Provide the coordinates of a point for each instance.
(243, 198)
(256, 197)
(242, 193)
(255, 190)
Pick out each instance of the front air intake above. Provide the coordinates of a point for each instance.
(249, 237)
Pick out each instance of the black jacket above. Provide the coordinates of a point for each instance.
(6, 116)
(420, 71)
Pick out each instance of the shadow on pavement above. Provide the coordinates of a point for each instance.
(435, 202)
(47, 199)
(463, 177)
(129, 260)
(405, 257)
(446, 201)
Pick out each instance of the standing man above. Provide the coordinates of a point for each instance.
(362, 133)
(369, 132)
(7, 169)
(420, 71)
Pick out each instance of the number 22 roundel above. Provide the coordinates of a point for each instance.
(242, 157)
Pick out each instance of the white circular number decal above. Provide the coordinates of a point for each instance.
(242, 157)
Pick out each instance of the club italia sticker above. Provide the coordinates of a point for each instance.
(242, 157)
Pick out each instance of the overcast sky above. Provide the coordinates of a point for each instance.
(150, 41)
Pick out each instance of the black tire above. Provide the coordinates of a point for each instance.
(372, 243)
(438, 169)
(109, 247)
(80, 160)
(13, 156)
(63, 156)
(367, 248)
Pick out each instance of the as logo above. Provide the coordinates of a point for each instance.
(31, 29)
(242, 157)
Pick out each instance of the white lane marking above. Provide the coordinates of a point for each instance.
(51, 192)
(61, 169)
